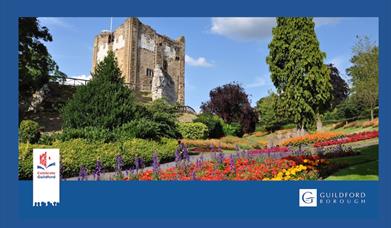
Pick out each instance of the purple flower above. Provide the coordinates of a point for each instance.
(186, 154)
(219, 148)
(82, 172)
(155, 164)
(137, 163)
(237, 148)
(220, 158)
(177, 155)
(98, 169)
(212, 148)
(119, 162)
(232, 163)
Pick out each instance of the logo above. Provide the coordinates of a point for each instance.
(46, 177)
(43, 160)
(308, 198)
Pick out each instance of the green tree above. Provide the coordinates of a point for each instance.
(104, 102)
(270, 116)
(35, 62)
(364, 73)
(297, 70)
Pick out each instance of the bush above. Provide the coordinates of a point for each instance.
(90, 134)
(193, 130)
(77, 152)
(141, 128)
(214, 124)
(233, 129)
(29, 131)
(165, 114)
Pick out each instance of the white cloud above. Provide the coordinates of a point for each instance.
(54, 22)
(243, 28)
(259, 82)
(83, 77)
(254, 28)
(197, 62)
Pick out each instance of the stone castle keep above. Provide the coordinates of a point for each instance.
(153, 65)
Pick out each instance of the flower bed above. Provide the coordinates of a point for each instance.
(232, 168)
(312, 138)
(276, 149)
(349, 138)
(225, 143)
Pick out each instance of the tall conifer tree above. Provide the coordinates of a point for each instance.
(297, 70)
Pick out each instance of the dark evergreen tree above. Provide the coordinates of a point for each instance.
(104, 102)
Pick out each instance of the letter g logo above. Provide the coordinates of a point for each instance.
(308, 197)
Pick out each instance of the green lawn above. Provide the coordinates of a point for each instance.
(362, 167)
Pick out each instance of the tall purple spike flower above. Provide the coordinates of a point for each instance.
(232, 163)
(186, 155)
(155, 164)
(98, 169)
(137, 164)
(177, 155)
(219, 148)
(212, 148)
(82, 172)
(119, 162)
(220, 158)
(237, 148)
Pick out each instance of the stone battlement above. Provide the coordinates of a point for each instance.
(151, 63)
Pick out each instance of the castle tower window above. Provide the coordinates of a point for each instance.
(177, 58)
(165, 65)
(149, 72)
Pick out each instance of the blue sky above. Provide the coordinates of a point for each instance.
(218, 50)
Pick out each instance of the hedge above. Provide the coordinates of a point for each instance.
(77, 152)
(29, 131)
(193, 130)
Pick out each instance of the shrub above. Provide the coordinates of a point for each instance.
(77, 152)
(140, 128)
(214, 124)
(104, 102)
(232, 129)
(90, 134)
(48, 138)
(165, 114)
(29, 131)
(193, 130)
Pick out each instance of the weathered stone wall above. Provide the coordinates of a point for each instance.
(139, 49)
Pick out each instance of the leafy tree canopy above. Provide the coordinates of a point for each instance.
(340, 88)
(297, 70)
(231, 103)
(364, 73)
